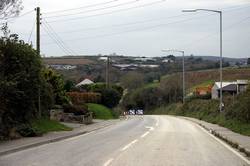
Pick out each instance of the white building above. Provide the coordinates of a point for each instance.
(85, 82)
(232, 88)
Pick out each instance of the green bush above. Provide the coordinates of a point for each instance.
(27, 130)
(20, 81)
(75, 109)
(110, 97)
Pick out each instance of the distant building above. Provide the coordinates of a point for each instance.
(63, 67)
(167, 61)
(145, 59)
(85, 82)
(232, 88)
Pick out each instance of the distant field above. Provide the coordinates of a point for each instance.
(67, 61)
(195, 78)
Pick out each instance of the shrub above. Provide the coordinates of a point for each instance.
(27, 130)
(84, 97)
(110, 97)
(76, 109)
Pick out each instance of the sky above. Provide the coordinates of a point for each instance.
(136, 27)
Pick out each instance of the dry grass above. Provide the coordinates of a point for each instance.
(198, 77)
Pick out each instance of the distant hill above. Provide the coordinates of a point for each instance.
(226, 59)
(229, 74)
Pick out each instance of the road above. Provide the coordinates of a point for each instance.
(140, 141)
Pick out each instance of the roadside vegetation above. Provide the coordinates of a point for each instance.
(165, 97)
(100, 111)
(236, 115)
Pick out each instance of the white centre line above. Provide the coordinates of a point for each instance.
(145, 134)
(108, 162)
(130, 144)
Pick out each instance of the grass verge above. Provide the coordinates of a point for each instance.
(46, 125)
(100, 111)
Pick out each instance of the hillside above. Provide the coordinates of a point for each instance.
(194, 78)
(67, 61)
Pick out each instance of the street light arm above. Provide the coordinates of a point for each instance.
(195, 10)
(209, 10)
(173, 51)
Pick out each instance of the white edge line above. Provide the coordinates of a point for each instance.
(150, 128)
(108, 162)
(145, 134)
(128, 145)
(226, 145)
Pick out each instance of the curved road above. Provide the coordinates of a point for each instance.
(139, 141)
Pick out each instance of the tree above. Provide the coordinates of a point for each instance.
(20, 80)
(69, 85)
(57, 84)
(110, 97)
(132, 80)
(171, 89)
(10, 8)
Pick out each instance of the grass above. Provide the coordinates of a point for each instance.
(100, 111)
(151, 85)
(46, 125)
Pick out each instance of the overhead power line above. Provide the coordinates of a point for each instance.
(14, 18)
(31, 32)
(124, 24)
(83, 7)
(146, 21)
(213, 34)
(50, 31)
(56, 41)
(150, 27)
(107, 13)
(94, 10)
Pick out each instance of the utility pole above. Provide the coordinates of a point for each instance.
(221, 65)
(221, 51)
(107, 73)
(38, 23)
(183, 77)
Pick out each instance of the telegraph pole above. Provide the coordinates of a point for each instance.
(38, 23)
(107, 73)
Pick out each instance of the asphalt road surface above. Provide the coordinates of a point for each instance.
(139, 141)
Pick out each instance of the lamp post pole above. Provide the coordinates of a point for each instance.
(183, 72)
(221, 67)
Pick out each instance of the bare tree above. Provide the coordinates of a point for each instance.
(10, 8)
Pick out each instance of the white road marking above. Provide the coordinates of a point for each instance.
(226, 145)
(108, 162)
(145, 134)
(130, 144)
(150, 128)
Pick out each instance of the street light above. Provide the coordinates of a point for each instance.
(220, 13)
(183, 71)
